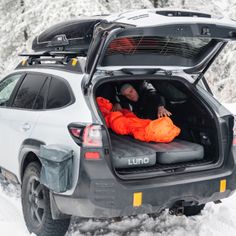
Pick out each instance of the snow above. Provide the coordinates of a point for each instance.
(231, 107)
(33, 17)
(215, 219)
(11, 217)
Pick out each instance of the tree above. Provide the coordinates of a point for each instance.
(22, 20)
(160, 3)
(22, 4)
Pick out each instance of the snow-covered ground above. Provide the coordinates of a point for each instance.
(11, 217)
(215, 220)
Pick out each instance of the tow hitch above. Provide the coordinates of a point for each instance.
(178, 208)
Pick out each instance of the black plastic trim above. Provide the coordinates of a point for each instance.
(29, 145)
(100, 195)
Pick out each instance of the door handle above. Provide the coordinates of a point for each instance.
(26, 126)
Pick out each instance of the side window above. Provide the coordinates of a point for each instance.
(42, 96)
(6, 88)
(58, 94)
(28, 91)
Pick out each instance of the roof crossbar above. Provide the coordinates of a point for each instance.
(51, 58)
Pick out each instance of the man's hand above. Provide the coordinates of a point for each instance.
(163, 112)
(116, 107)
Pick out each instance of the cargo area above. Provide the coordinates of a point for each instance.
(196, 146)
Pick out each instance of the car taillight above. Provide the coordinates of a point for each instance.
(76, 132)
(92, 155)
(234, 140)
(90, 138)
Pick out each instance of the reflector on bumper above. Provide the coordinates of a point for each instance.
(222, 185)
(137, 199)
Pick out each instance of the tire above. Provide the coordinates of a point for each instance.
(36, 205)
(193, 210)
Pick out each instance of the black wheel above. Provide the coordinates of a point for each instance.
(193, 210)
(36, 205)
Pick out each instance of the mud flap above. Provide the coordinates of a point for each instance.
(56, 172)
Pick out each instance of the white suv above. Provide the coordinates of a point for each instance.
(54, 140)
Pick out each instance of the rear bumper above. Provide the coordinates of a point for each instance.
(107, 197)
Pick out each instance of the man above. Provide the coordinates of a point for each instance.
(144, 101)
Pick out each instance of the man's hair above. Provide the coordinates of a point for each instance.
(124, 87)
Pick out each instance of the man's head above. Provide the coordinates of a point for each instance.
(129, 92)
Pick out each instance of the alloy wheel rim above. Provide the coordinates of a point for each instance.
(37, 201)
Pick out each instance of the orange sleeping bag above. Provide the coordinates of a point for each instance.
(125, 122)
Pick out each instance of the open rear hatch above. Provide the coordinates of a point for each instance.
(153, 38)
(188, 44)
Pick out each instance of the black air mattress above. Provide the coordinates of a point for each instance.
(128, 152)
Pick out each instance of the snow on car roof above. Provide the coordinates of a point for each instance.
(151, 17)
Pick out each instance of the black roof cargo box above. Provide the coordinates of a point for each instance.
(74, 35)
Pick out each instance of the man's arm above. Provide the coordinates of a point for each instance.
(152, 94)
(159, 101)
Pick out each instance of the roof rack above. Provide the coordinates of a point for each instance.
(60, 59)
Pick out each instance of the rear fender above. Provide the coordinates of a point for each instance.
(28, 146)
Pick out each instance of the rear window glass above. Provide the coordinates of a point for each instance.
(181, 50)
(58, 94)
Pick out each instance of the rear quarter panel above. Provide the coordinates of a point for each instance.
(51, 127)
